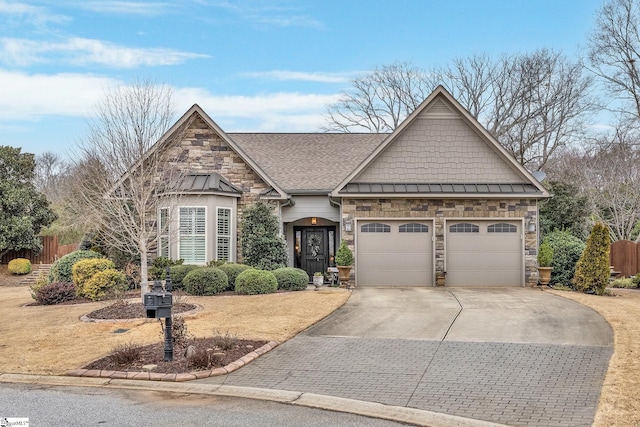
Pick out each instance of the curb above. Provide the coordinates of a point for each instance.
(157, 376)
(310, 400)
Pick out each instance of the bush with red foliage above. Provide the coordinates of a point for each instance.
(55, 293)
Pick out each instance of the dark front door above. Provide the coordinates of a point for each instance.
(314, 250)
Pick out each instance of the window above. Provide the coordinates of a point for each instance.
(163, 229)
(414, 227)
(193, 235)
(502, 228)
(464, 227)
(223, 235)
(375, 227)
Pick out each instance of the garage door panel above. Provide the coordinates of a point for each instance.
(484, 258)
(394, 258)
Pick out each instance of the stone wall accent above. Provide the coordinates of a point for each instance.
(439, 210)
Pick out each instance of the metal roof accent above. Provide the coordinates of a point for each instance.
(206, 183)
(433, 188)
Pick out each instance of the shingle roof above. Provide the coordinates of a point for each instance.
(379, 188)
(300, 162)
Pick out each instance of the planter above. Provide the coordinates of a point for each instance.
(544, 275)
(344, 274)
(318, 281)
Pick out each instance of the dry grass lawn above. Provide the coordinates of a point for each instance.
(620, 398)
(52, 339)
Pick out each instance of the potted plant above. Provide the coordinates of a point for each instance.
(318, 279)
(344, 259)
(545, 257)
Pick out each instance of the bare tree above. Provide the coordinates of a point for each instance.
(614, 54)
(121, 180)
(533, 104)
(50, 173)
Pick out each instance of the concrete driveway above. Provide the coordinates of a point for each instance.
(514, 356)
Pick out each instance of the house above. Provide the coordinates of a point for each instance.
(436, 202)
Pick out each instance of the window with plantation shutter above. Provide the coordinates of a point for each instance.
(223, 234)
(163, 229)
(193, 235)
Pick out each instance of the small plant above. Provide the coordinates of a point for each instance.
(636, 280)
(55, 293)
(344, 256)
(159, 266)
(545, 254)
(317, 274)
(592, 269)
(105, 284)
(19, 266)
(232, 270)
(224, 341)
(178, 273)
(291, 279)
(625, 282)
(61, 269)
(199, 359)
(205, 281)
(216, 263)
(41, 281)
(125, 354)
(179, 332)
(253, 282)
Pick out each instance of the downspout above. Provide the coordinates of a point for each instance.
(289, 202)
(333, 202)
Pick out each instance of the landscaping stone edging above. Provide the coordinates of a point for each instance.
(157, 376)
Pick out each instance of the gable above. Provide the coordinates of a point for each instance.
(439, 147)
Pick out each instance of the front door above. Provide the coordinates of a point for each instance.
(315, 248)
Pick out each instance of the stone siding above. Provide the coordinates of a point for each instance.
(439, 210)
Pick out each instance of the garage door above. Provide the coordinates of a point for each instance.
(485, 253)
(394, 253)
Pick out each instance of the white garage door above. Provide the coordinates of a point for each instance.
(485, 253)
(394, 253)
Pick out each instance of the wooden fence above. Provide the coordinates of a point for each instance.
(625, 257)
(51, 251)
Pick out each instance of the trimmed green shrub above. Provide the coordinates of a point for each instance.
(61, 269)
(85, 269)
(158, 270)
(261, 243)
(625, 282)
(19, 266)
(253, 282)
(636, 280)
(592, 269)
(55, 293)
(105, 284)
(178, 273)
(545, 254)
(567, 249)
(205, 281)
(291, 279)
(344, 256)
(232, 271)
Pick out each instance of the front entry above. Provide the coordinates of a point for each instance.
(315, 248)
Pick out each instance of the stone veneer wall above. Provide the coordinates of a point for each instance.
(201, 150)
(439, 210)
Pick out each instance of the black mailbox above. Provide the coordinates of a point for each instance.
(158, 302)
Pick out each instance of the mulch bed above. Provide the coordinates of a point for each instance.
(130, 310)
(208, 355)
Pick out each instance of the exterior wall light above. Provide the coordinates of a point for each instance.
(531, 226)
(347, 226)
(314, 220)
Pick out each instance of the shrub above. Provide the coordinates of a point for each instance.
(104, 284)
(232, 271)
(567, 249)
(224, 340)
(41, 281)
(344, 256)
(125, 354)
(158, 270)
(55, 293)
(545, 254)
(252, 282)
(592, 269)
(85, 269)
(19, 266)
(261, 243)
(636, 280)
(61, 269)
(178, 272)
(625, 282)
(205, 281)
(291, 279)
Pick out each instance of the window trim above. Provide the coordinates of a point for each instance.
(206, 233)
(163, 232)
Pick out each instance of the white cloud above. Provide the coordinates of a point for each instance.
(317, 77)
(126, 7)
(35, 14)
(81, 51)
(30, 97)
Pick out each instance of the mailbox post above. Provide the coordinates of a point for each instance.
(157, 304)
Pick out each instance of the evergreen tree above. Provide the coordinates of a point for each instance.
(261, 243)
(592, 269)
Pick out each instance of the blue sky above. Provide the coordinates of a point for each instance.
(253, 65)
